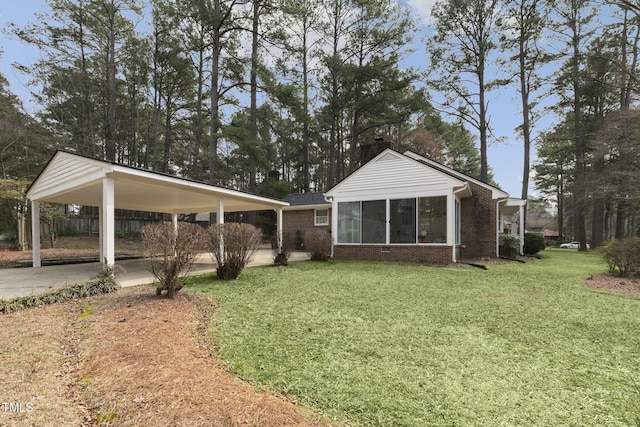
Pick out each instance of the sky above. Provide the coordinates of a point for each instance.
(505, 158)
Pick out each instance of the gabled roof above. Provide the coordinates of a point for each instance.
(401, 174)
(496, 192)
(306, 201)
(74, 179)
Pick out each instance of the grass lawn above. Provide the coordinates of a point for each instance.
(410, 345)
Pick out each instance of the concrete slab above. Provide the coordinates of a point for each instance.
(20, 282)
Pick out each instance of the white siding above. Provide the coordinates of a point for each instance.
(393, 175)
(67, 173)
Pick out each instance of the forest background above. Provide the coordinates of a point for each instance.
(228, 91)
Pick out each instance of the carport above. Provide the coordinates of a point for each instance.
(73, 179)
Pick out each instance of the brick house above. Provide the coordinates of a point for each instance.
(405, 207)
(306, 211)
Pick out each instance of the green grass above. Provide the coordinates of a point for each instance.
(409, 345)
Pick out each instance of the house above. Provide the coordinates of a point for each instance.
(306, 211)
(406, 207)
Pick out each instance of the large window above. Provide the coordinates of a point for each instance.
(402, 221)
(349, 222)
(432, 220)
(374, 221)
(410, 221)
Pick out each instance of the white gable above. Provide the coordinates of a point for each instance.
(393, 175)
(67, 172)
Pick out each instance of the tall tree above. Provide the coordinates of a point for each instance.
(302, 20)
(524, 22)
(461, 46)
(572, 26)
(554, 168)
(337, 13)
(173, 81)
(376, 91)
(82, 42)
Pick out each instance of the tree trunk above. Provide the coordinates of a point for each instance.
(621, 212)
(111, 87)
(215, 95)
(253, 125)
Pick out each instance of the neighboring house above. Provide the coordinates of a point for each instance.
(405, 207)
(551, 237)
(306, 211)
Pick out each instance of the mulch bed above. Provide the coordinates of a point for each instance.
(614, 284)
(128, 358)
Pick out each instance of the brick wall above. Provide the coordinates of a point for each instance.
(478, 224)
(302, 220)
(409, 253)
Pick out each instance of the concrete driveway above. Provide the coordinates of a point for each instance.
(19, 282)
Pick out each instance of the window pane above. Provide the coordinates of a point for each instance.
(374, 220)
(432, 220)
(403, 221)
(349, 222)
(322, 217)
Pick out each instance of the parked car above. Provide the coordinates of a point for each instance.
(573, 245)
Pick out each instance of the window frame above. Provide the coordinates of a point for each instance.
(315, 217)
(449, 216)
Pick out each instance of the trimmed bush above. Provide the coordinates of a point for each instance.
(233, 245)
(318, 244)
(622, 255)
(533, 243)
(510, 245)
(171, 255)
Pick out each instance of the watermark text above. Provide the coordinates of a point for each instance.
(16, 407)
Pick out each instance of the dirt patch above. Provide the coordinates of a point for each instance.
(128, 358)
(614, 284)
(37, 369)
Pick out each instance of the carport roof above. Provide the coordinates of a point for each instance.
(74, 179)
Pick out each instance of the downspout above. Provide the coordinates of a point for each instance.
(454, 246)
(334, 222)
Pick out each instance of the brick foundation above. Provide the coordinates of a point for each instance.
(405, 253)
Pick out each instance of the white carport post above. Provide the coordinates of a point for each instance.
(35, 233)
(174, 220)
(279, 230)
(521, 227)
(107, 231)
(220, 221)
(101, 233)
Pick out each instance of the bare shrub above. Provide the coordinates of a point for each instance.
(623, 256)
(171, 256)
(233, 245)
(318, 244)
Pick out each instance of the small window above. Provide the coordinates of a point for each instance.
(321, 217)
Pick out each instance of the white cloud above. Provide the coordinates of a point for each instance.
(422, 8)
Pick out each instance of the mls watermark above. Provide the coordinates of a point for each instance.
(16, 407)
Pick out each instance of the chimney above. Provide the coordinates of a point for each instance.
(370, 150)
(274, 175)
